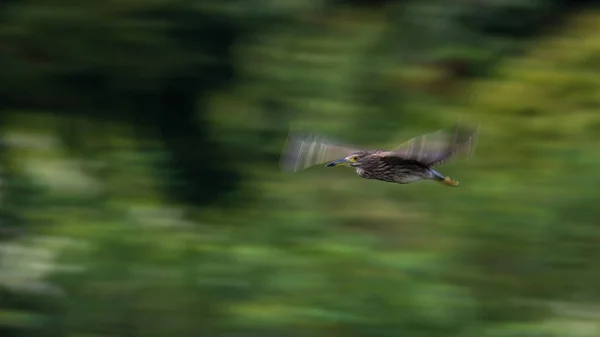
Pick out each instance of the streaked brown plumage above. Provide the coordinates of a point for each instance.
(407, 163)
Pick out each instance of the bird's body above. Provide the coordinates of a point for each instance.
(407, 163)
(376, 165)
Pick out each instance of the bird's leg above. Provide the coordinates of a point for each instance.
(451, 182)
(446, 180)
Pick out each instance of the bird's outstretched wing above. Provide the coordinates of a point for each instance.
(303, 150)
(436, 148)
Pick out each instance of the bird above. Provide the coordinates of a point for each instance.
(412, 161)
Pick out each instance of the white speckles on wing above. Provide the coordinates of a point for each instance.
(302, 151)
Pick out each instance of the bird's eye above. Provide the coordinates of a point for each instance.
(355, 158)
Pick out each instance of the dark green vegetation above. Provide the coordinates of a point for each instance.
(141, 194)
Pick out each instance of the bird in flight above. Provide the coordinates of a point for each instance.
(409, 162)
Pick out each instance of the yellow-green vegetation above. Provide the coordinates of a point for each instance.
(513, 252)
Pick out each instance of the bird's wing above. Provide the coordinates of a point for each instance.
(436, 148)
(302, 151)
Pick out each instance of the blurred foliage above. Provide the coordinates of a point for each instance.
(141, 194)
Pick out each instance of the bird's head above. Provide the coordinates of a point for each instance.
(353, 160)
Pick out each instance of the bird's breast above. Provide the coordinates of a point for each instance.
(369, 174)
(407, 179)
(364, 174)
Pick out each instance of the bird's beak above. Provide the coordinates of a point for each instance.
(337, 162)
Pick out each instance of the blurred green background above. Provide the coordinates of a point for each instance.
(141, 195)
